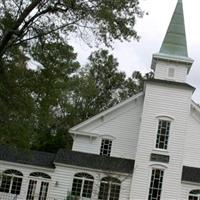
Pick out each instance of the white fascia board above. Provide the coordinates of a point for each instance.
(106, 112)
(178, 59)
(91, 169)
(87, 134)
(195, 105)
(195, 110)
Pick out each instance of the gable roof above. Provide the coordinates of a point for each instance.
(93, 161)
(76, 128)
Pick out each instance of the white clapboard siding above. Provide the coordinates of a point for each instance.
(168, 101)
(86, 144)
(192, 142)
(123, 125)
(186, 188)
(180, 71)
(26, 170)
(64, 176)
(62, 179)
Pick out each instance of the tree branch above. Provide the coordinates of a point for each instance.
(8, 34)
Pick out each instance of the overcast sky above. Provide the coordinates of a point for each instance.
(152, 28)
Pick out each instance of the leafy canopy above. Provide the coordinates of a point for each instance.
(37, 107)
(24, 21)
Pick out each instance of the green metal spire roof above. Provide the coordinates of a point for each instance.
(175, 39)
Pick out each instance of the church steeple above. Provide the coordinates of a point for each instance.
(174, 47)
(175, 39)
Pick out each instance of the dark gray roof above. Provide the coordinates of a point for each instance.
(171, 83)
(191, 174)
(94, 161)
(17, 155)
(74, 158)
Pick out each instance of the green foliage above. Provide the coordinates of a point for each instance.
(37, 107)
(24, 21)
(101, 85)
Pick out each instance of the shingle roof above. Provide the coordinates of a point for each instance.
(17, 155)
(94, 161)
(74, 158)
(191, 174)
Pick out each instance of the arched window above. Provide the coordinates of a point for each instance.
(82, 185)
(38, 184)
(109, 189)
(194, 195)
(11, 181)
(40, 174)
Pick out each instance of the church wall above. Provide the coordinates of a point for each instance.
(161, 100)
(65, 174)
(86, 144)
(162, 68)
(186, 188)
(192, 142)
(25, 170)
(62, 179)
(123, 126)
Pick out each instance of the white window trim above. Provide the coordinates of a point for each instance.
(110, 183)
(83, 183)
(110, 147)
(156, 167)
(39, 181)
(194, 195)
(164, 118)
(107, 137)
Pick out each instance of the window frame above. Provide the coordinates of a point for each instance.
(164, 119)
(103, 149)
(113, 185)
(11, 182)
(194, 195)
(152, 184)
(39, 183)
(83, 180)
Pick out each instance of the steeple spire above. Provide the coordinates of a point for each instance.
(175, 39)
(173, 49)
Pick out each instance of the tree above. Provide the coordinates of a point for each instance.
(23, 21)
(37, 107)
(51, 86)
(96, 87)
(101, 85)
(30, 101)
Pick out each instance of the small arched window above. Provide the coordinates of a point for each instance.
(194, 195)
(82, 185)
(11, 181)
(109, 188)
(40, 174)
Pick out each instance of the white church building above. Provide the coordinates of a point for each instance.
(145, 148)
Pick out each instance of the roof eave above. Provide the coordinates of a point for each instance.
(171, 58)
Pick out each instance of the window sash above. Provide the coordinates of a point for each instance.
(37, 189)
(109, 191)
(11, 184)
(106, 146)
(82, 187)
(156, 184)
(163, 134)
